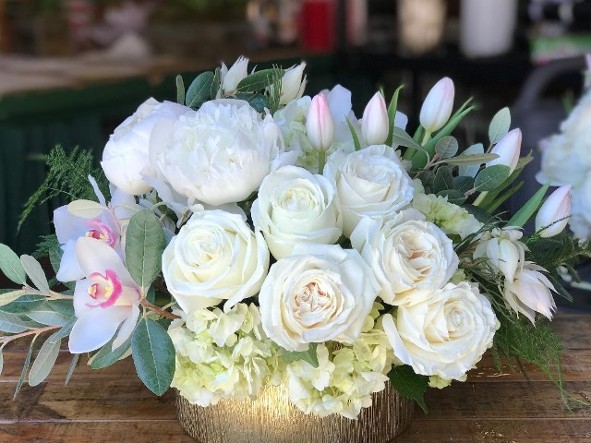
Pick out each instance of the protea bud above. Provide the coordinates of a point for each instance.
(293, 84)
(375, 123)
(553, 215)
(231, 77)
(438, 105)
(319, 123)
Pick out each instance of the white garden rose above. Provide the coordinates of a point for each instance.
(214, 257)
(405, 252)
(371, 182)
(444, 332)
(126, 153)
(218, 154)
(320, 293)
(294, 207)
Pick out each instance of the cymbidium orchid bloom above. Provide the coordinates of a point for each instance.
(508, 150)
(375, 123)
(319, 123)
(99, 220)
(106, 301)
(553, 215)
(438, 105)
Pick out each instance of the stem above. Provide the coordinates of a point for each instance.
(426, 138)
(480, 198)
(321, 160)
(158, 310)
(51, 294)
(37, 331)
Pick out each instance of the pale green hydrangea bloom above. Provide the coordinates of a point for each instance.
(346, 376)
(221, 355)
(451, 218)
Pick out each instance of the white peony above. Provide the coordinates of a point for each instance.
(218, 154)
(126, 153)
(371, 182)
(295, 206)
(444, 332)
(405, 252)
(214, 257)
(321, 293)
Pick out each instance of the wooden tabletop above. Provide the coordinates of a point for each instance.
(111, 405)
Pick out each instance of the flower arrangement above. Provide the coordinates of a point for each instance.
(249, 236)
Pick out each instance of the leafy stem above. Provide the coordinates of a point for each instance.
(37, 331)
(51, 294)
(158, 310)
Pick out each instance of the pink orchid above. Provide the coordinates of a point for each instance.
(106, 302)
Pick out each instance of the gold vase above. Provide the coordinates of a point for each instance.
(271, 418)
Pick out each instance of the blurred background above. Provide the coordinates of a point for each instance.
(72, 70)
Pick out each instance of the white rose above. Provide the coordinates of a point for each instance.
(126, 153)
(321, 293)
(442, 333)
(218, 154)
(405, 252)
(295, 206)
(214, 257)
(371, 182)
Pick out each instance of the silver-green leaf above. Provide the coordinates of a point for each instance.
(11, 265)
(44, 361)
(35, 272)
(447, 147)
(491, 178)
(499, 125)
(199, 90)
(143, 247)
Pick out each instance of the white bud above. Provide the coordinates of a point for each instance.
(438, 105)
(293, 84)
(553, 215)
(319, 123)
(508, 150)
(375, 123)
(231, 77)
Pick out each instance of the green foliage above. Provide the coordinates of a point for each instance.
(67, 174)
(199, 91)
(310, 355)
(11, 266)
(499, 125)
(107, 356)
(410, 385)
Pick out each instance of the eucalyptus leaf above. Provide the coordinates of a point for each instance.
(443, 179)
(447, 147)
(260, 80)
(310, 356)
(11, 265)
(180, 90)
(26, 366)
(473, 159)
(23, 304)
(427, 177)
(471, 169)
(44, 361)
(401, 137)
(199, 90)
(35, 272)
(453, 196)
(463, 183)
(153, 355)
(410, 385)
(143, 247)
(491, 178)
(257, 101)
(499, 125)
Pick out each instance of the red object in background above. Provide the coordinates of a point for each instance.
(318, 25)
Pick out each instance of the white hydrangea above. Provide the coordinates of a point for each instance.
(221, 355)
(346, 376)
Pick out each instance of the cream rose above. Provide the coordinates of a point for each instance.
(371, 182)
(126, 153)
(218, 154)
(321, 293)
(214, 257)
(295, 206)
(442, 333)
(405, 252)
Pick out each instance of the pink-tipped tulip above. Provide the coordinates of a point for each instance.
(438, 105)
(375, 123)
(319, 123)
(508, 150)
(553, 215)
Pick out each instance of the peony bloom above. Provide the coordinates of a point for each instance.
(371, 182)
(320, 124)
(405, 252)
(553, 215)
(320, 293)
(106, 302)
(218, 154)
(530, 292)
(508, 150)
(126, 153)
(443, 332)
(375, 124)
(214, 257)
(294, 207)
(438, 105)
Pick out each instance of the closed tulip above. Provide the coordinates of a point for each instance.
(375, 123)
(553, 215)
(438, 105)
(319, 123)
(508, 150)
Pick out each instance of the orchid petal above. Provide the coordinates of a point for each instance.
(95, 328)
(96, 256)
(127, 327)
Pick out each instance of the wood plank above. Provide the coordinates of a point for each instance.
(97, 432)
(498, 431)
(574, 329)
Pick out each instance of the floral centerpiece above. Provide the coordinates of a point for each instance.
(249, 236)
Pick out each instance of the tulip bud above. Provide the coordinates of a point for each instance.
(293, 84)
(553, 215)
(231, 77)
(508, 150)
(319, 123)
(375, 124)
(438, 105)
